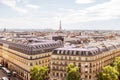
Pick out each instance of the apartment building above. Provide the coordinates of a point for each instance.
(20, 55)
(90, 60)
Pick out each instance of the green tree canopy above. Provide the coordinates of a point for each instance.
(117, 63)
(38, 72)
(108, 73)
(72, 72)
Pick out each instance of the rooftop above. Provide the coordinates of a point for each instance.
(89, 50)
(31, 46)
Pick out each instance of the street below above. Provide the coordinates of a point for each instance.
(2, 74)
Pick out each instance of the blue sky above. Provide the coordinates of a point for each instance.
(75, 14)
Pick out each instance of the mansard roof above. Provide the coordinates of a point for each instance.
(32, 48)
(87, 51)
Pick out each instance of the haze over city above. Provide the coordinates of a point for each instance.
(46, 14)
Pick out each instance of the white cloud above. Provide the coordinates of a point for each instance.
(28, 22)
(13, 4)
(104, 11)
(20, 10)
(108, 10)
(111, 8)
(32, 6)
(84, 1)
(10, 3)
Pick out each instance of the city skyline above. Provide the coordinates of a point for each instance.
(74, 14)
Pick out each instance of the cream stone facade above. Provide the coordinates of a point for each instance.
(21, 57)
(89, 60)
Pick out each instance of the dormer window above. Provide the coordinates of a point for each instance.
(58, 52)
(74, 52)
(62, 51)
(70, 52)
(66, 51)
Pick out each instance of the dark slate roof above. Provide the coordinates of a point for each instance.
(88, 51)
(32, 48)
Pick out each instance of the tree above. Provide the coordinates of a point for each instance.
(117, 64)
(72, 72)
(39, 72)
(108, 73)
(99, 76)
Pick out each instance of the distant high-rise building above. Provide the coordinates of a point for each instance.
(4, 30)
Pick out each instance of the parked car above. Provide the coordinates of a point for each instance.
(5, 78)
(8, 72)
(14, 74)
(1, 66)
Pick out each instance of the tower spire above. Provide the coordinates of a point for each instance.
(60, 27)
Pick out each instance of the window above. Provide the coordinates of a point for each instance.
(86, 71)
(90, 71)
(67, 57)
(82, 58)
(72, 58)
(77, 58)
(66, 52)
(62, 51)
(82, 53)
(90, 77)
(86, 76)
(74, 52)
(63, 57)
(61, 75)
(30, 57)
(58, 52)
(36, 63)
(57, 74)
(39, 62)
(70, 52)
(53, 74)
(79, 64)
(77, 53)
(31, 64)
(90, 64)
